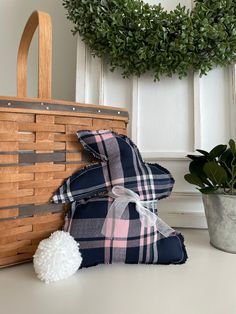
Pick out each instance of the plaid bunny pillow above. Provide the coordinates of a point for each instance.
(121, 164)
(114, 205)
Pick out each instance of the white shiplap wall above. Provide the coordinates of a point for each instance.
(168, 119)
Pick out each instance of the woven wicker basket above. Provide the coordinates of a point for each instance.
(39, 149)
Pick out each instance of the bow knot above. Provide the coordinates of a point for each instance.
(122, 197)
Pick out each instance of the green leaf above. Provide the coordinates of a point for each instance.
(217, 151)
(193, 157)
(226, 161)
(173, 43)
(203, 152)
(207, 190)
(193, 179)
(232, 146)
(196, 168)
(215, 173)
(226, 156)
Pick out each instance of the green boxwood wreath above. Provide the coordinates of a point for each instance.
(139, 37)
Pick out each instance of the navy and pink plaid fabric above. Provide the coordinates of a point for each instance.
(87, 190)
(121, 165)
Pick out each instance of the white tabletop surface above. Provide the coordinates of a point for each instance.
(206, 284)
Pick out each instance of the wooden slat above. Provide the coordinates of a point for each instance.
(70, 169)
(65, 137)
(7, 137)
(14, 245)
(73, 157)
(74, 128)
(7, 213)
(40, 192)
(8, 146)
(8, 127)
(41, 168)
(16, 193)
(8, 159)
(75, 167)
(75, 146)
(26, 200)
(64, 174)
(120, 131)
(36, 241)
(15, 231)
(17, 117)
(24, 137)
(13, 177)
(41, 219)
(45, 120)
(9, 239)
(48, 225)
(8, 187)
(6, 224)
(35, 234)
(40, 184)
(41, 146)
(15, 259)
(40, 176)
(73, 120)
(40, 118)
(8, 253)
(44, 190)
(46, 168)
(33, 127)
(99, 124)
(37, 219)
(27, 249)
(9, 169)
(44, 137)
(9, 223)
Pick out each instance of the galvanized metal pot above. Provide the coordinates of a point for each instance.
(220, 212)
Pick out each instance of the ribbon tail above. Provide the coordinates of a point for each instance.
(163, 228)
(149, 219)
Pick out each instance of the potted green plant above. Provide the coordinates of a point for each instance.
(214, 174)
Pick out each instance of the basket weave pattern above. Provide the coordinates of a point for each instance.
(38, 150)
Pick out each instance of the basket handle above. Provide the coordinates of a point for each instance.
(41, 20)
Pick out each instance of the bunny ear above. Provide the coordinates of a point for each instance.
(92, 141)
(106, 145)
(98, 178)
(121, 165)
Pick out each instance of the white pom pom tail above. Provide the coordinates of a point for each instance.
(57, 257)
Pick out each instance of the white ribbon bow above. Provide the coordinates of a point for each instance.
(122, 197)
